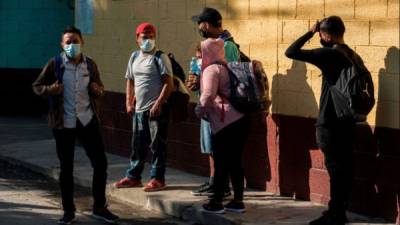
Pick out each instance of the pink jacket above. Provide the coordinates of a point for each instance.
(215, 87)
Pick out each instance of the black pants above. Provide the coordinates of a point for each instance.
(228, 145)
(92, 142)
(337, 143)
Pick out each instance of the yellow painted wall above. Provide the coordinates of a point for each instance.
(264, 29)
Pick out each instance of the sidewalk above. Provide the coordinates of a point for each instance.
(28, 142)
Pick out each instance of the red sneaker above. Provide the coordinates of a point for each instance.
(154, 185)
(128, 183)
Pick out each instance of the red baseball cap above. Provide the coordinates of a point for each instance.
(145, 27)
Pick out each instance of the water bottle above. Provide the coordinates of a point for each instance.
(199, 61)
(194, 66)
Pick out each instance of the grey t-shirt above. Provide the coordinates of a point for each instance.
(148, 84)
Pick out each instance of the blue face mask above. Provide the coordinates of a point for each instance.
(148, 45)
(72, 50)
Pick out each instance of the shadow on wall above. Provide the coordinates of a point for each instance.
(376, 188)
(388, 89)
(255, 156)
(388, 155)
(295, 137)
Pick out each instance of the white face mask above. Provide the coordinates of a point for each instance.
(148, 45)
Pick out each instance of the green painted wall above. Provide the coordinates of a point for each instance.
(30, 31)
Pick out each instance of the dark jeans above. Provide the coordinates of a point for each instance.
(92, 142)
(337, 143)
(149, 133)
(228, 145)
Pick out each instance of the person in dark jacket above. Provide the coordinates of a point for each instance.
(335, 136)
(72, 83)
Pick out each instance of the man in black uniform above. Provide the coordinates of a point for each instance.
(335, 136)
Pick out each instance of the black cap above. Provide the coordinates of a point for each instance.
(209, 15)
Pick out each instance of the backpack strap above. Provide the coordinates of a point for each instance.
(222, 96)
(232, 77)
(90, 67)
(135, 54)
(349, 55)
(157, 57)
(59, 69)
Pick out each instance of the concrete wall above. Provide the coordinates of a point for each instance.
(30, 31)
(264, 30)
(281, 155)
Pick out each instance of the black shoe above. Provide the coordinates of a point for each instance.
(104, 214)
(235, 206)
(213, 207)
(329, 218)
(204, 190)
(67, 218)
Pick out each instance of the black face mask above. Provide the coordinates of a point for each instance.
(204, 33)
(325, 43)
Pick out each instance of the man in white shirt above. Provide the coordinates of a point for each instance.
(72, 82)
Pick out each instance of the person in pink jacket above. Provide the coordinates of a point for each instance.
(229, 127)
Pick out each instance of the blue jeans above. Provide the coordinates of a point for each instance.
(149, 133)
(205, 137)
